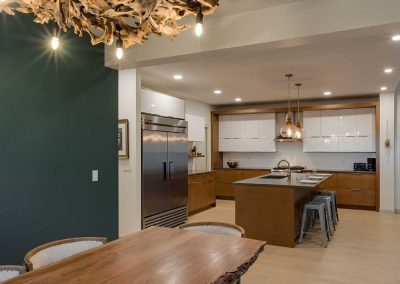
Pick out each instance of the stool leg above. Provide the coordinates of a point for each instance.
(330, 218)
(333, 214)
(302, 225)
(323, 227)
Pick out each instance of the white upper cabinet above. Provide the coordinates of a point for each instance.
(238, 127)
(252, 126)
(347, 122)
(225, 126)
(345, 130)
(329, 123)
(196, 127)
(312, 123)
(267, 125)
(247, 133)
(160, 104)
(365, 122)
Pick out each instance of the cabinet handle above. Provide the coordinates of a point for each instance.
(355, 189)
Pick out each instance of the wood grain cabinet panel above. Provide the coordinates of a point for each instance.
(357, 181)
(228, 176)
(201, 191)
(330, 184)
(356, 197)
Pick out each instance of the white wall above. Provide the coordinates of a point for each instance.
(204, 110)
(129, 171)
(387, 159)
(293, 152)
(397, 150)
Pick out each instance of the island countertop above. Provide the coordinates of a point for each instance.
(284, 182)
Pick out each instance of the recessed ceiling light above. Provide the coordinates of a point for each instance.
(238, 100)
(383, 88)
(178, 77)
(327, 93)
(388, 70)
(217, 92)
(396, 37)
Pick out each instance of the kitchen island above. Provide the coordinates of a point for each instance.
(270, 208)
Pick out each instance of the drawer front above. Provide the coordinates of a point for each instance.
(359, 197)
(228, 176)
(225, 189)
(357, 181)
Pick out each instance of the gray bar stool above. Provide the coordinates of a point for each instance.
(329, 207)
(332, 194)
(320, 209)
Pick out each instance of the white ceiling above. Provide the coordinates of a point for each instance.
(229, 7)
(348, 64)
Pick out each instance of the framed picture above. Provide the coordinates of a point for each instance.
(123, 139)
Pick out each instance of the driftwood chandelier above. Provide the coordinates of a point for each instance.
(130, 21)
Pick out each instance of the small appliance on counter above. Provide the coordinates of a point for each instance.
(371, 164)
(360, 167)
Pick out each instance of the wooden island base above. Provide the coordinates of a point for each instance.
(272, 214)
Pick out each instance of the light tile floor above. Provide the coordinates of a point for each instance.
(365, 249)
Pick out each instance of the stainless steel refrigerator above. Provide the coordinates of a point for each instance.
(164, 171)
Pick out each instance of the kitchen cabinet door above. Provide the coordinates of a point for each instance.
(366, 122)
(367, 144)
(225, 126)
(196, 125)
(267, 125)
(329, 123)
(224, 145)
(349, 144)
(177, 108)
(232, 145)
(311, 144)
(328, 144)
(312, 123)
(260, 145)
(252, 122)
(238, 126)
(347, 122)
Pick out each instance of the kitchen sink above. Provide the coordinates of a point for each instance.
(274, 177)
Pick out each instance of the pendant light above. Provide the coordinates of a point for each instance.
(119, 51)
(298, 134)
(199, 22)
(287, 130)
(55, 40)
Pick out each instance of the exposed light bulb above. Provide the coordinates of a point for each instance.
(199, 23)
(388, 70)
(178, 77)
(217, 92)
(199, 29)
(55, 42)
(119, 52)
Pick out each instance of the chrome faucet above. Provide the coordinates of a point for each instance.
(289, 173)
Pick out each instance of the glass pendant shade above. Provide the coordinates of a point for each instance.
(299, 132)
(288, 129)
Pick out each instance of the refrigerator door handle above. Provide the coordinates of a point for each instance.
(164, 170)
(171, 170)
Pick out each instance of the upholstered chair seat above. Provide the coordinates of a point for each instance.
(215, 228)
(10, 271)
(58, 250)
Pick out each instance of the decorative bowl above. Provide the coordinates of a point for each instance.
(232, 164)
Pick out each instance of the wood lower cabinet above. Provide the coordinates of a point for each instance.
(201, 192)
(226, 177)
(354, 190)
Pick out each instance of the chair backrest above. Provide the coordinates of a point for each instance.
(215, 228)
(51, 252)
(10, 271)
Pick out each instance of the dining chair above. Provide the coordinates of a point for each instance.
(215, 228)
(10, 271)
(54, 251)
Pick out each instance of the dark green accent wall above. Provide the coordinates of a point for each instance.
(58, 122)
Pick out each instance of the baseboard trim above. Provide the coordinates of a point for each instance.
(387, 211)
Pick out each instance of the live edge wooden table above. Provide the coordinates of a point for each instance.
(155, 255)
